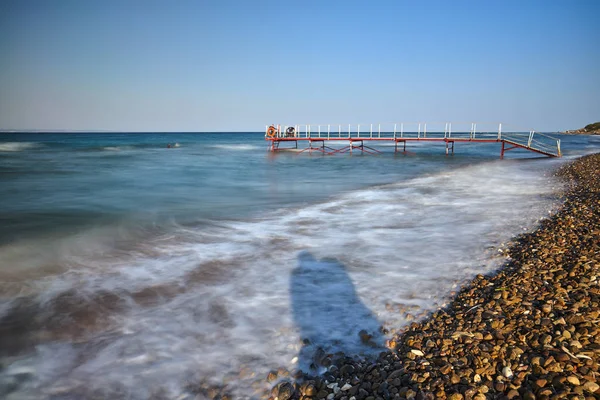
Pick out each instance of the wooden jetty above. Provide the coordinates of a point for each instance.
(320, 138)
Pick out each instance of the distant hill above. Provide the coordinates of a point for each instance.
(591, 129)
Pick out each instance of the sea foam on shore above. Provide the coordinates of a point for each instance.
(529, 331)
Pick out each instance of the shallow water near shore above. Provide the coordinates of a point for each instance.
(129, 269)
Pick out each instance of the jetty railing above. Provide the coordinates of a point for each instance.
(425, 131)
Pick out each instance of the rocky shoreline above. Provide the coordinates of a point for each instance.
(530, 331)
(581, 132)
(591, 129)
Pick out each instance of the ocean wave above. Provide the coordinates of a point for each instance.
(116, 147)
(237, 147)
(18, 146)
(249, 291)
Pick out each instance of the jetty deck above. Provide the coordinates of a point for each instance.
(365, 138)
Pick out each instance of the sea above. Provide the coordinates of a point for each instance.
(180, 265)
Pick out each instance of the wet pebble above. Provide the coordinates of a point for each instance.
(529, 331)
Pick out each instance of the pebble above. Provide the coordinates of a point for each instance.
(528, 331)
(573, 380)
(591, 387)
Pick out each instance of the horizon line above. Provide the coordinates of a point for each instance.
(108, 131)
(174, 132)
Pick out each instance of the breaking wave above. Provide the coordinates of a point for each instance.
(222, 304)
(18, 146)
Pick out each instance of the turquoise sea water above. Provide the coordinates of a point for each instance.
(127, 267)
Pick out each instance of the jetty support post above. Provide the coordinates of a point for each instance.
(450, 146)
(320, 148)
(274, 146)
(500, 131)
(396, 145)
(395, 131)
(361, 146)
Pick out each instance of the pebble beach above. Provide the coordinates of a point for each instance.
(531, 330)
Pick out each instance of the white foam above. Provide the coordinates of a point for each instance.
(117, 148)
(236, 147)
(321, 272)
(18, 146)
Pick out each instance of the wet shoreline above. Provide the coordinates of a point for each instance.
(531, 330)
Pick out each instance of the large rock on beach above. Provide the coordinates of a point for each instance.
(529, 331)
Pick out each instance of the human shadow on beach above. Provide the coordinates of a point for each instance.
(331, 318)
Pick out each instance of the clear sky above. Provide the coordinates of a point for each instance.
(228, 65)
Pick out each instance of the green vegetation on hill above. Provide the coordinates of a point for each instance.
(592, 127)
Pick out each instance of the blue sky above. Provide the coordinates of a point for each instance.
(237, 65)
